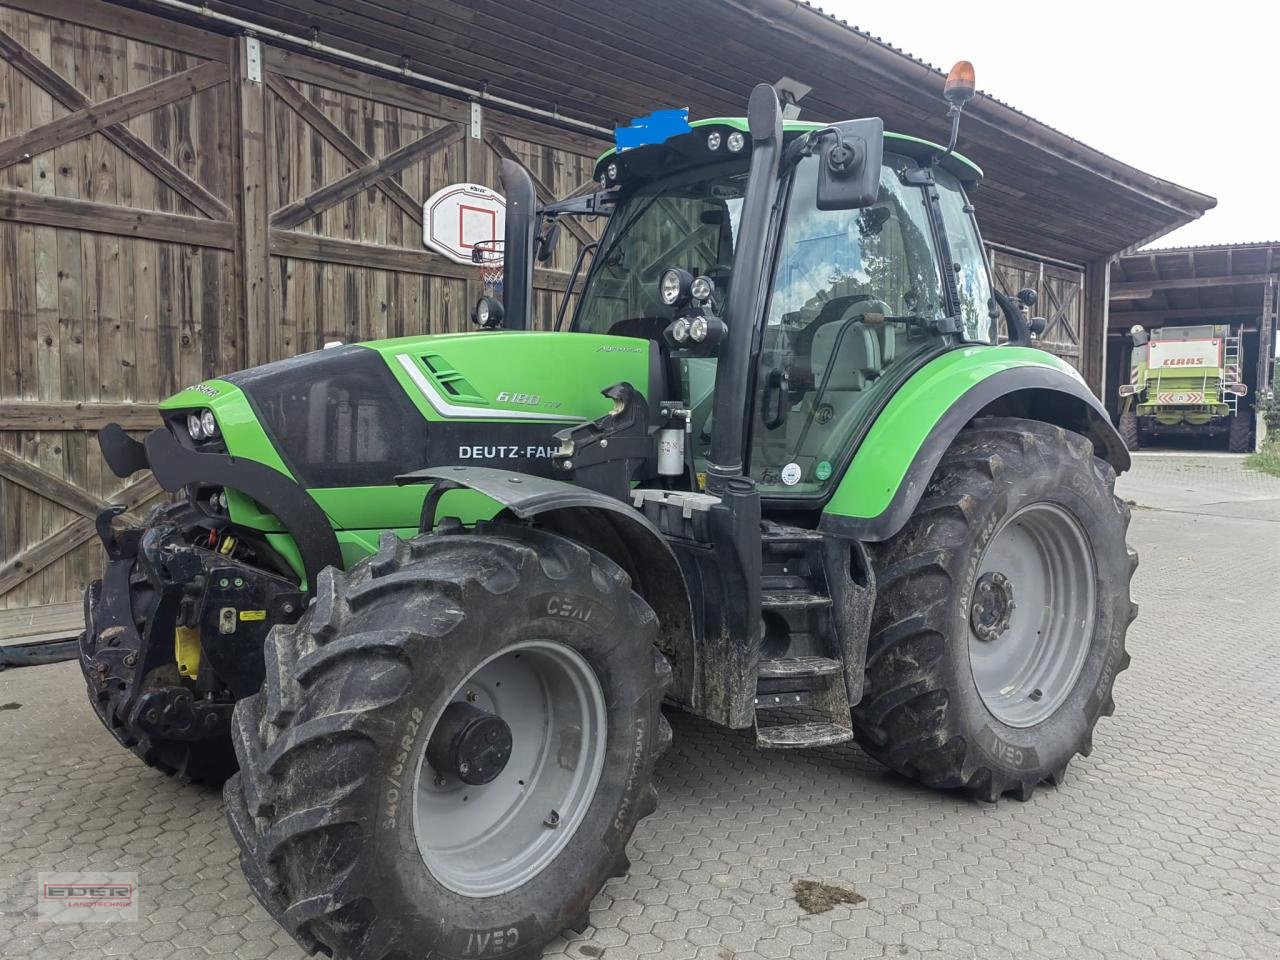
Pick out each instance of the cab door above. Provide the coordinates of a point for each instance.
(850, 307)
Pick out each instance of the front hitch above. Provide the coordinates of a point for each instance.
(156, 584)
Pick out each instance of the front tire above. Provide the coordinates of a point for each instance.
(363, 834)
(1000, 621)
(1240, 439)
(1128, 430)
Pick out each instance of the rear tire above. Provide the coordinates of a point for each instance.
(362, 847)
(964, 689)
(1129, 430)
(1240, 439)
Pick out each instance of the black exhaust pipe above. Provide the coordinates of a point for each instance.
(517, 244)
(733, 372)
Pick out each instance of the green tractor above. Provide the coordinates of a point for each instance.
(427, 595)
(1185, 383)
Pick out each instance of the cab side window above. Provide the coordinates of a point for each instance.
(973, 281)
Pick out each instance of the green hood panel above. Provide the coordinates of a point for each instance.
(881, 463)
(514, 375)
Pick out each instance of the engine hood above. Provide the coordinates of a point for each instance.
(358, 415)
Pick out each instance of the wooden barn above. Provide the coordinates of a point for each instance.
(191, 188)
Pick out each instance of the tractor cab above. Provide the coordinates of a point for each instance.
(852, 297)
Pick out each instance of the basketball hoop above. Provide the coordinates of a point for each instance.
(488, 255)
(466, 222)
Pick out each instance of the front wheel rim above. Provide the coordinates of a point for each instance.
(1032, 614)
(484, 840)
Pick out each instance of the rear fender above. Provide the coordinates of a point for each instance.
(602, 523)
(889, 473)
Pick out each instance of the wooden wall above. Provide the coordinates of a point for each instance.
(1061, 302)
(164, 218)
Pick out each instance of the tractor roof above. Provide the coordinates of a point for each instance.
(957, 164)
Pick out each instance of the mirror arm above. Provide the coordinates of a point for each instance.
(573, 281)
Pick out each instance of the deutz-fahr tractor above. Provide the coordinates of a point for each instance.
(1186, 384)
(777, 469)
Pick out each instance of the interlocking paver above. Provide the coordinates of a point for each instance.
(1162, 844)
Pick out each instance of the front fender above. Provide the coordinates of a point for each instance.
(891, 468)
(602, 523)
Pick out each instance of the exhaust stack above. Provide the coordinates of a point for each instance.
(517, 244)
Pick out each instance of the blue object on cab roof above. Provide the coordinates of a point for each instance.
(657, 127)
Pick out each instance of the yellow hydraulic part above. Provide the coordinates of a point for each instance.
(186, 650)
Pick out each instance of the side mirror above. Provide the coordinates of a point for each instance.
(547, 241)
(849, 161)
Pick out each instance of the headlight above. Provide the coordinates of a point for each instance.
(701, 289)
(736, 141)
(680, 331)
(698, 329)
(194, 427)
(669, 287)
(208, 424)
(611, 171)
(713, 140)
(673, 286)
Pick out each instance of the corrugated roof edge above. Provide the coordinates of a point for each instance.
(1176, 197)
(1246, 245)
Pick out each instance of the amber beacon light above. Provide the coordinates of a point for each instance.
(961, 83)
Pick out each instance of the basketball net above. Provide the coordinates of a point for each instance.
(487, 254)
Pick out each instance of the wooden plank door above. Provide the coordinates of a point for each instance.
(117, 267)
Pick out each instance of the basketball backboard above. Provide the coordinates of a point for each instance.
(457, 217)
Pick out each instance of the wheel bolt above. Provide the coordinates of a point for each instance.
(471, 696)
(553, 819)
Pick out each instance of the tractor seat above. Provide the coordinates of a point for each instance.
(857, 356)
(857, 360)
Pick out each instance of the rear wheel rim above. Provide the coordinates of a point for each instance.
(1027, 654)
(482, 841)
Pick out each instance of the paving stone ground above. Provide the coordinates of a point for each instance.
(1165, 843)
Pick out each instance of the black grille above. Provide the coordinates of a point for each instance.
(338, 417)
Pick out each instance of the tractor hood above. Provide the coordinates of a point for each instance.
(359, 415)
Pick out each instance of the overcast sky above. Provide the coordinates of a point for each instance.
(1185, 91)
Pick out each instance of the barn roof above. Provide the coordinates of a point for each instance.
(1189, 285)
(1044, 192)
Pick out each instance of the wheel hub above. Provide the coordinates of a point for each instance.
(992, 606)
(510, 768)
(1026, 664)
(470, 743)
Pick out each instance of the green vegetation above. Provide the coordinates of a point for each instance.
(1267, 460)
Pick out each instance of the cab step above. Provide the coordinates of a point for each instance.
(797, 668)
(793, 600)
(771, 533)
(792, 736)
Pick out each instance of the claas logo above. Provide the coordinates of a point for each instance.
(1183, 362)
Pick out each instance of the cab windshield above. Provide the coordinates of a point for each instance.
(689, 220)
